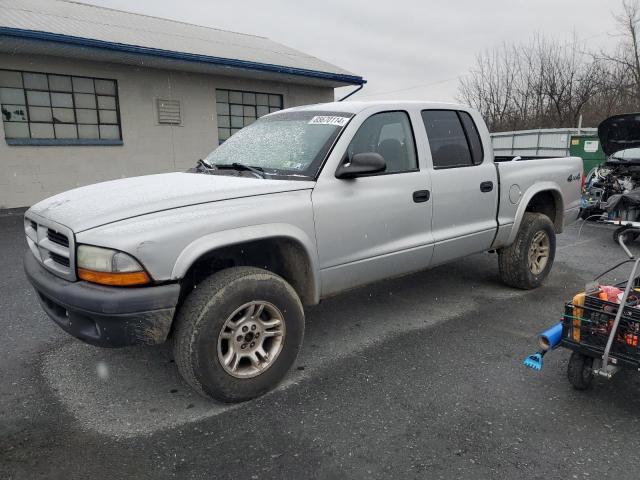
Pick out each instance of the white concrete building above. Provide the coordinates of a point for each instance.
(91, 94)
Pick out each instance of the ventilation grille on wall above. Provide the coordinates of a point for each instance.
(169, 112)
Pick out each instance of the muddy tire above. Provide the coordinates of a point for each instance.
(580, 371)
(238, 333)
(528, 260)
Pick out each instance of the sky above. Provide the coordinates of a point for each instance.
(405, 49)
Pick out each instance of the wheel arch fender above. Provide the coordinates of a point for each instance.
(545, 192)
(209, 243)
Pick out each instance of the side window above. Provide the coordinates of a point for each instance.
(473, 137)
(390, 135)
(447, 139)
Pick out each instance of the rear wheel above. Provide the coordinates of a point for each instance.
(580, 371)
(238, 333)
(528, 260)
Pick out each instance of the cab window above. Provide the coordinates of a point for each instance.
(390, 135)
(453, 138)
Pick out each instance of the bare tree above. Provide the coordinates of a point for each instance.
(625, 60)
(545, 83)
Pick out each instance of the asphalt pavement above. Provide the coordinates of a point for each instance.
(416, 377)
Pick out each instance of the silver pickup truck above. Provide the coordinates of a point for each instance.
(303, 204)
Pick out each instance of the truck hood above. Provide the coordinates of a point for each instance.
(620, 132)
(102, 203)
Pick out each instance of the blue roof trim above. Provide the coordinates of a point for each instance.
(191, 57)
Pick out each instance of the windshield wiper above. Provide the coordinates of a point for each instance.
(241, 166)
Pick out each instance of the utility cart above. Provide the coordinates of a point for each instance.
(602, 325)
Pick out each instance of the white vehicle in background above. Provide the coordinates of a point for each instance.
(303, 204)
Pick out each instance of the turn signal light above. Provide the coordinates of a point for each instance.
(114, 279)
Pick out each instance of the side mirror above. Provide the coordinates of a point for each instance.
(361, 164)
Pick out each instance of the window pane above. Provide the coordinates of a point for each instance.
(223, 121)
(40, 114)
(83, 85)
(107, 102)
(86, 116)
(249, 120)
(13, 96)
(60, 83)
(262, 99)
(235, 97)
(105, 87)
(274, 101)
(234, 130)
(62, 100)
(473, 137)
(109, 132)
(249, 98)
(84, 100)
(10, 79)
(447, 141)
(273, 109)
(262, 111)
(14, 113)
(222, 96)
(16, 130)
(236, 110)
(41, 130)
(222, 108)
(38, 98)
(223, 133)
(88, 131)
(237, 122)
(63, 115)
(108, 116)
(66, 131)
(249, 111)
(37, 81)
(388, 134)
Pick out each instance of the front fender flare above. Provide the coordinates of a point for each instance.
(235, 236)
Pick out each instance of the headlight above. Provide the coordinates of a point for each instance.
(109, 267)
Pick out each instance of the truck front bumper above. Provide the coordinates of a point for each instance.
(105, 316)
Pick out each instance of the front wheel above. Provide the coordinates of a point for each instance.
(238, 333)
(528, 260)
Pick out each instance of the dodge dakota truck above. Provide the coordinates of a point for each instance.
(303, 204)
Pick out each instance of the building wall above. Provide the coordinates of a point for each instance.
(30, 173)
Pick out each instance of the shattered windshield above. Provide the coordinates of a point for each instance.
(289, 143)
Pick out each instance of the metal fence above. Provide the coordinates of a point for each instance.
(544, 142)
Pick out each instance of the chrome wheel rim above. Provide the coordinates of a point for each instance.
(251, 339)
(539, 252)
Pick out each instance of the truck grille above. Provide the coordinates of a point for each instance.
(58, 238)
(64, 261)
(52, 244)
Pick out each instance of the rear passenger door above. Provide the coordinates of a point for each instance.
(464, 184)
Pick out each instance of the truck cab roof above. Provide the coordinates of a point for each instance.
(355, 107)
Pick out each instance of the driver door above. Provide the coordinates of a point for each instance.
(374, 226)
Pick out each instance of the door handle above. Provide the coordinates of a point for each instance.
(486, 186)
(421, 196)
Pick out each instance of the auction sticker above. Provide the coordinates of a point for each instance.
(329, 120)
